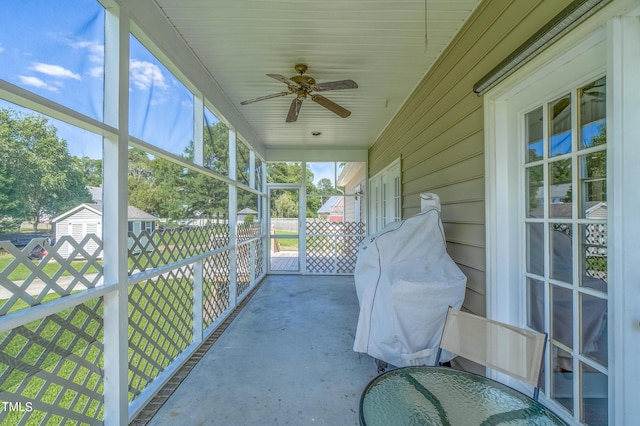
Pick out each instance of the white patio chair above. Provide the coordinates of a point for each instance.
(502, 347)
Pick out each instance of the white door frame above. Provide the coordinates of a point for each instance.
(620, 39)
(302, 211)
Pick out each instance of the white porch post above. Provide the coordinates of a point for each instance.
(266, 245)
(302, 221)
(233, 222)
(116, 113)
(252, 169)
(198, 267)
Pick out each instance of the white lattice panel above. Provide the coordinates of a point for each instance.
(332, 247)
(243, 277)
(215, 288)
(259, 259)
(161, 247)
(160, 325)
(51, 369)
(25, 282)
(247, 231)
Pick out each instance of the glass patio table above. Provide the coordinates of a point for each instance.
(444, 396)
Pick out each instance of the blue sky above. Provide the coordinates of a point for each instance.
(56, 50)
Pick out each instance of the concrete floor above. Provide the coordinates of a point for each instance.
(287, 359)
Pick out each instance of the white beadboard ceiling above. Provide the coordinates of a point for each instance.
(380, 44)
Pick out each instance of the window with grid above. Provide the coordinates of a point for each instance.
(565, 229)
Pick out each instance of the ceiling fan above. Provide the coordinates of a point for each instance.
(302, 86)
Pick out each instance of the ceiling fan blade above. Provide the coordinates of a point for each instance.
(262, 98)
(331, 106)
(294, 110)
(336, 85)
(284, 80)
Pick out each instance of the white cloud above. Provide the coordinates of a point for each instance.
(96, 71)
(96, 50)
(145, 74)
(36, 82)
(1, 49)
(54, 71)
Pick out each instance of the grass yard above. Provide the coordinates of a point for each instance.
(21, 272)
(287, 244)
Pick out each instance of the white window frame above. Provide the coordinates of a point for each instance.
(385, 200)
(619, 41)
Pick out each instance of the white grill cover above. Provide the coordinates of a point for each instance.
(405, 282)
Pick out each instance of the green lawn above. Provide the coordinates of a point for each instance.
(21, 272)
(287, 244)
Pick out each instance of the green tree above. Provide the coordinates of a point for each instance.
(37, 169)
(9, 158)
(90, 169)
(141, 188)
(285, 206)
(209, 197)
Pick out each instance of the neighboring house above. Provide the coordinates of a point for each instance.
(96, 194)
(353, 179)
(242, 214)
(86, 219)
(333, 209)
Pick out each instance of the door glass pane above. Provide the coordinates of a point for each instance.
(561, 252)
(594, 328)
(593, 249)
(535, 195)
(593, 185)
(593, 110)
(562, 315)
(562, 377)
(535, 304)
(533, 135)
(595, 398)
(560, 126)
(535, 248)
(560, 193)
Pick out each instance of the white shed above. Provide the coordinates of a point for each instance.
(86, 219)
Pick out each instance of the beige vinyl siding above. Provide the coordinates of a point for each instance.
(439, 131)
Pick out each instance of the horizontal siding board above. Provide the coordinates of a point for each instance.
(475, 279)
(432, 141)
(475, 303)
(470, 212)
(465, 233)
(466, 149)
(473, 257)
(463, 191)
(461, 171)
(84, 215)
